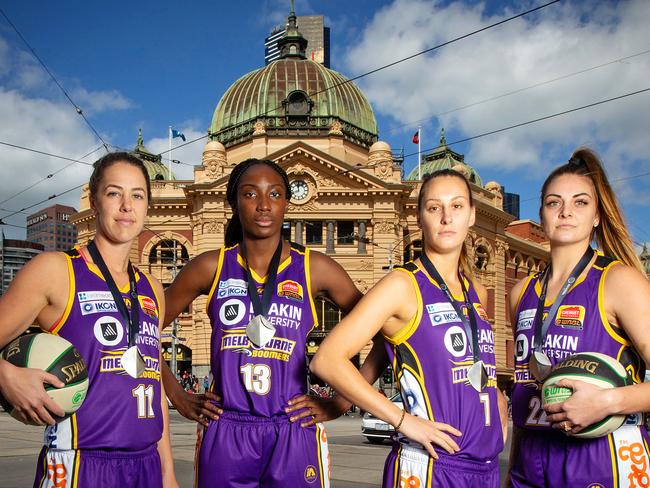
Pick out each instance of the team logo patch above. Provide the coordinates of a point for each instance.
(441, 313)
(525, 319)
(455, 341)
(108, 330)
(94, 306)
(570, 316)
(481, 311)
(232, 288)
(290, 289)
(311, 475)
(521, 347)
(232, 311)
(86, 296)
(148, 306)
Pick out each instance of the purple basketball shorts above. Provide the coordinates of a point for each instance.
(553, 459)
(245, 451)
(77, 468)
(412, 467)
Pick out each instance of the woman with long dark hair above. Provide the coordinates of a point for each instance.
(441, 344)
(119, 436)
(608, 300)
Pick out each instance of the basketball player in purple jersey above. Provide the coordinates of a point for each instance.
(261, 293)
(606, 310)
(442, 350)
(119, 437)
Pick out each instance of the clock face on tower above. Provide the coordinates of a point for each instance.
(299, 190)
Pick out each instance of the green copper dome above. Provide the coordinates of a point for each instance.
(444, 158)
(293, 97)
(153, 162)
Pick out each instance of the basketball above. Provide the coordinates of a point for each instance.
(56, 356)
(590, 367)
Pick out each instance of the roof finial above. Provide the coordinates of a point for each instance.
(443, 140)
(140, 142)
(292, 44)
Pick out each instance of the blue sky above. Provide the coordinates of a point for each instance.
(149, 65)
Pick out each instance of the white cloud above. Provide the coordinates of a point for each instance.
(93, 102)
(560, 39)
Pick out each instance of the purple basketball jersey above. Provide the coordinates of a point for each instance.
(431, 357)
(119, 412)
(252, 380)
(580, 326)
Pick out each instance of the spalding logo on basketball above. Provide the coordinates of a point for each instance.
(56, 356)
(594, 368)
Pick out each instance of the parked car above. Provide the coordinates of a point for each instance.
(376, 430)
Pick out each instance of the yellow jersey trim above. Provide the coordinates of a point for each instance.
(458, 298)
(601, 307)
(411, 326)
(524, 289)
(257, 277)
(56, 327)
(77, 464)
(612, 455)
(419, 377)
(308, 282)
(217, 275)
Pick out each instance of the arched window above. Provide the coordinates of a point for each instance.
(168, 251)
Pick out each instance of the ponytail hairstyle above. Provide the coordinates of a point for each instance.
(464, 263)
(611, 235)
(234, 231)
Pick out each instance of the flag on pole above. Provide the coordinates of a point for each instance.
(416, 137)
(177, 133)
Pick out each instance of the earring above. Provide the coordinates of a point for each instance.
(595, 223)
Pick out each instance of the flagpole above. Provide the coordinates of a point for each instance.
(169, 164)
(419, 152)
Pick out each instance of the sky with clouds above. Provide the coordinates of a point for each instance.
(153, 64)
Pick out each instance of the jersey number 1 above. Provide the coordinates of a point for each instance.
(144, 397)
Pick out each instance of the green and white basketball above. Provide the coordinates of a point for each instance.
(56, 356)
(594, 368)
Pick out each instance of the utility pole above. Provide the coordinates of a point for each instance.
(174, 365)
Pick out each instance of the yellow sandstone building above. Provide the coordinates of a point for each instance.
(350, 199)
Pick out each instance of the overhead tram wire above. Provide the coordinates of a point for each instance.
(394, 63)
(539, 119)
(77, 108)
(520, 90)
(51, 197)
(49, 176)
(454, 142)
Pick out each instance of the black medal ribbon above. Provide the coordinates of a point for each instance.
(261, 307)
(542, 326)
(132, 320)
(471, 329)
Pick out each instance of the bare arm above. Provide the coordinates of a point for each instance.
(30, 298)
(195, 279)
(388, 306)
(164, 444)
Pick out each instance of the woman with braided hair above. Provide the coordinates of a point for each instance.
(265, 429)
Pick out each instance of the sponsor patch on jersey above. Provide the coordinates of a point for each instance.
(290, 289)
(97, 306)
(311, 475)
(86, 296)
(232, 288)
(441, 313)
(277, 348)
(570, 317)
(521, 347)
(232, 311)
(148, 306)
(455, 341)
(108, 330)
(526, 318)
(481, 311)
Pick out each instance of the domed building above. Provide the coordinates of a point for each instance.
(349, 198)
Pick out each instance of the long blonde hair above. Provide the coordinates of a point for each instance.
(611, 235)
